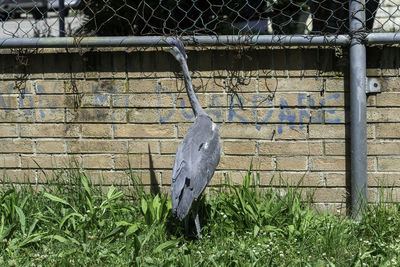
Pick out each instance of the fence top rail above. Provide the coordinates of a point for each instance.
(159, 41)
(383, 38)
(223, 40)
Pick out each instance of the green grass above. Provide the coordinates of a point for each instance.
(71, 222)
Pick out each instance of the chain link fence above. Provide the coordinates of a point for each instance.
(42, 18)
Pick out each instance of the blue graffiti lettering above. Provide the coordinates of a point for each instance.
(21, 102)
(285, 115)
(232, 104)
(41, 90)
(184, 113)
(308, 112)
(98, 97)
(300, 98)
(331, 111)
(256, 102)
(318, 117)
(159, 90)
(303, 114)
(6, 106)
(336, 120)
(215, 103)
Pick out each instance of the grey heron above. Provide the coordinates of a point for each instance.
(199, 153)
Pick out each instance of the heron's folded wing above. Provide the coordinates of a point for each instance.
(181, 195)
(209, 159)
(179, 175)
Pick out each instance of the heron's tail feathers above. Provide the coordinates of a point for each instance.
(184, 204)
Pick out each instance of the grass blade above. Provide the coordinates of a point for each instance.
(22, 219)
(32, 227)
(6, 233)
(132, 229)
(69, 216)
(110, 192)
(57, 237)
(56, 199)
(31, 239)
(85, 184)
(166, 245)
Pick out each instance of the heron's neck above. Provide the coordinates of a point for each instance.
(194, 102)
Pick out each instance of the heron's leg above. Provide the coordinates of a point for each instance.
(196, 220)
(186, 221)
(197, 223)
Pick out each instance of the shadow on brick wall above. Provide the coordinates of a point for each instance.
(303, 59)
(324, 60)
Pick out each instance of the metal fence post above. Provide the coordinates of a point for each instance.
(61, 19)
(358, 109)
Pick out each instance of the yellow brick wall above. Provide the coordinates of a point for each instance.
(284, 110)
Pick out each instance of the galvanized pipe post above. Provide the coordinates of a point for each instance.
(358, 109)
(61, 19)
